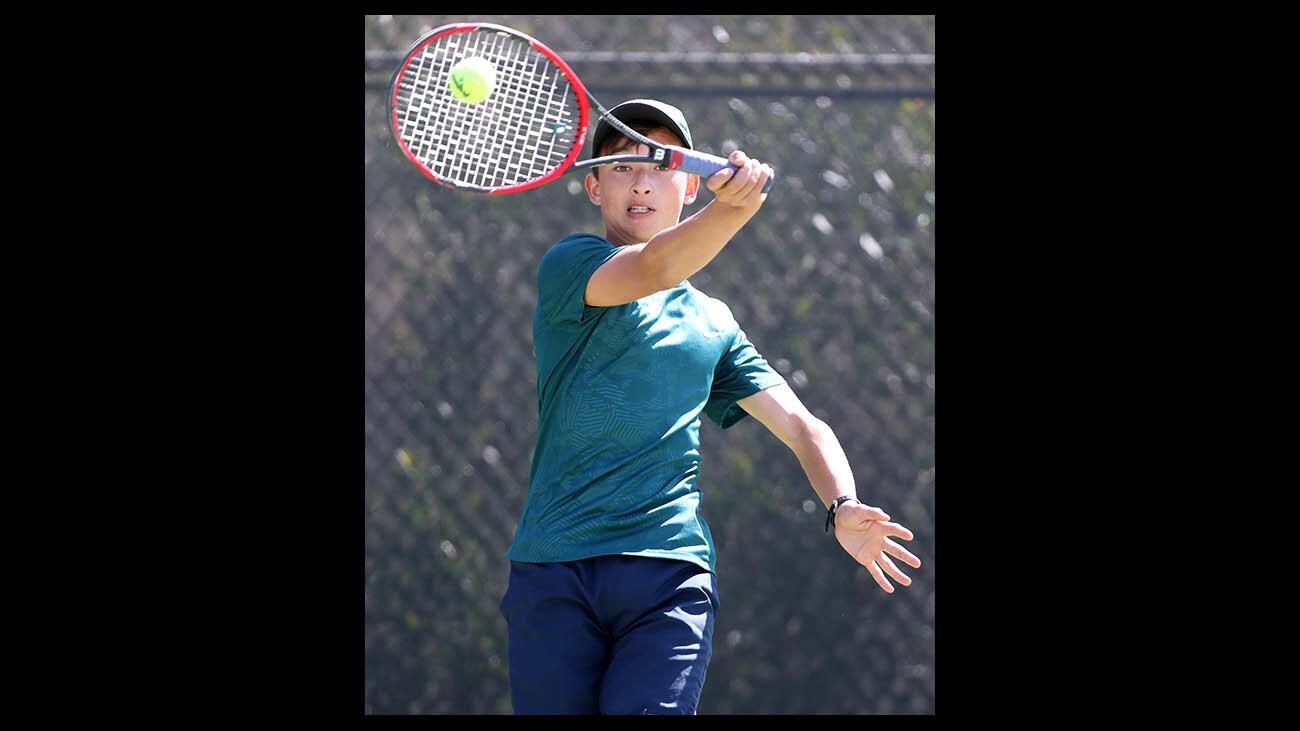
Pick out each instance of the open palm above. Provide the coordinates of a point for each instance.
(869, 541)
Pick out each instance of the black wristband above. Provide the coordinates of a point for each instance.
(830, 512)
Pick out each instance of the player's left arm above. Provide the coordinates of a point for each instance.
(863, 531)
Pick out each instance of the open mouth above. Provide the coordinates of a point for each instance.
(639, 210)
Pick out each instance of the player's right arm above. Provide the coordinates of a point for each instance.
(679, 251)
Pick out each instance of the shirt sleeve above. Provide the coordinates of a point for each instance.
(742, 372)
(563, 274)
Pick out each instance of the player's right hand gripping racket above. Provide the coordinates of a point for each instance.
(528, 131)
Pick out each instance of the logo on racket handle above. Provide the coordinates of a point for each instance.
(704, 164)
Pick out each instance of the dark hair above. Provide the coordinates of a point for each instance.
(617, 140)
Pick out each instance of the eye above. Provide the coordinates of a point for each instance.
(622, 168)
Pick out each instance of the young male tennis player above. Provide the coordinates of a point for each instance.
(612, 593)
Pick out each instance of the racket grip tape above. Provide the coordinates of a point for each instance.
(704, 164)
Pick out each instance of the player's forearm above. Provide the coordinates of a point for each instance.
(680, 251)
(824, 462)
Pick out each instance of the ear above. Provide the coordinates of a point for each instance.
(593, 188)
(692, 188)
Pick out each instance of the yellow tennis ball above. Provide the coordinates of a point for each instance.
(472, 79)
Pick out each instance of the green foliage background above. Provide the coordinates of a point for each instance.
(834, 282)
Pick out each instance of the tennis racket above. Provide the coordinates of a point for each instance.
(529, 130)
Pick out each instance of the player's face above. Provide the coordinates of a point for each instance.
(637, 199)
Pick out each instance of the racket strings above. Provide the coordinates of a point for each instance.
(523, 132)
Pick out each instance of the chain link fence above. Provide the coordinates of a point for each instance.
(833, 281)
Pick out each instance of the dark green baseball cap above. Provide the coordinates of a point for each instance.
(642, 110)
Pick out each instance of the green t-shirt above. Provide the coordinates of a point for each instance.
(620, 392)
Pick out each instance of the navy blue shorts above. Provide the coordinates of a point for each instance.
(611, 635)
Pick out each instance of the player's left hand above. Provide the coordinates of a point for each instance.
(868, 539)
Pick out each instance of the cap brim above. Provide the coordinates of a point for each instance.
(631, 113)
